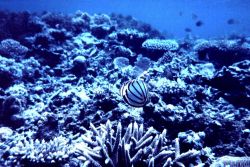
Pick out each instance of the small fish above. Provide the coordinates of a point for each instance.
(194, 16)
(188, 29)
(199, 23)
(135, 92)
(231, 21)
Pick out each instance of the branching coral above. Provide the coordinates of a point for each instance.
(103, 146)
(28, 151)
(136, 147)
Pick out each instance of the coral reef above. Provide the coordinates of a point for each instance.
(99, 146)
(60, 78)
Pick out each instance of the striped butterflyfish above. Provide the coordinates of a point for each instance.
(135, 92)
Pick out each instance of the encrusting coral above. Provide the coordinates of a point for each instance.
(136, 147)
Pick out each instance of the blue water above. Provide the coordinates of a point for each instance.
(218, 18)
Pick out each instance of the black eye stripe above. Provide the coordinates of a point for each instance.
(125, 99)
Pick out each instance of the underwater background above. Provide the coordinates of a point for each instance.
(110, 83)
(214, 18)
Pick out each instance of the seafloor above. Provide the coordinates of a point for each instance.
(60, 77)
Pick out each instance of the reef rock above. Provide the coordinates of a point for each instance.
(234, 81)
(10, 72)
(12, 49)
(222, 52)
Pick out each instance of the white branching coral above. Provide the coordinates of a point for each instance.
(103, 146)
(35, 151)
(136, 147)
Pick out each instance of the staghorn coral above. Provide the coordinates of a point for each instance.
(136, 147)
